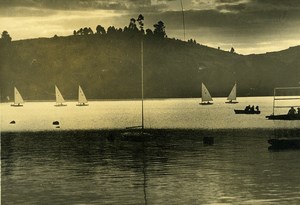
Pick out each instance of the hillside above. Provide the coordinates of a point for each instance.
(108, 66)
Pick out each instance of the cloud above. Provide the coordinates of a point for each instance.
(125, 5)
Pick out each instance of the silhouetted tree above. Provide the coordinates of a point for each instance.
(5, 37)
(100, 30)
(140, 20)
(111, 30)
(159, 29)
(119, 30)
(132, 25)
(74, 32)
(149, 32)
(232, 50)
(90, 31)
(80, 31)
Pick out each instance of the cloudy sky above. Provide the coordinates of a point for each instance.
(250, 26)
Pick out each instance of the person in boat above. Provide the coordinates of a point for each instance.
(247, 108)
(252, 108)
(292, 111)
(298, 110)
(257, 108)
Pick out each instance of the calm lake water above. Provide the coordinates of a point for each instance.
(169, 113)
(85, 161)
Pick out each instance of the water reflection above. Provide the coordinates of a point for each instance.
(88, 167)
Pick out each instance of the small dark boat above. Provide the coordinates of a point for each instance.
(284, 143)
(246, 111)
(231, 102)
(136, 135)
(284, 117)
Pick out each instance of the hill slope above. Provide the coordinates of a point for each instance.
(108, 66)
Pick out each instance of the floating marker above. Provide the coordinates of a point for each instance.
(55, 123)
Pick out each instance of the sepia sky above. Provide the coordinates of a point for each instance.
(250, 26)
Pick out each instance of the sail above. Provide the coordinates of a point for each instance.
(18, 97)
(205, 94)
(81, 96)
(59, 97)
(232, 95)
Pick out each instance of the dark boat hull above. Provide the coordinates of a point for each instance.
(60, 105)
(82, 104)
(233, 102)
(206, 103)
(284, 143)
(136, 135)
(16, 105)
(284, 117)
(246, 112)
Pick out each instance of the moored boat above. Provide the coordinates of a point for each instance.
(137, 133)
(284, 143)
(279, 97)
(284, 117)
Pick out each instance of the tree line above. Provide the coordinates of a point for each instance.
(136, 26)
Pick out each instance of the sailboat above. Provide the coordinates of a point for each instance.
(59, 98)
(18, 100)
(137, 133)
(206, 97)
(232, 96)
(82, 101)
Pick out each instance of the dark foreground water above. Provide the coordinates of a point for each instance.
(174, 167)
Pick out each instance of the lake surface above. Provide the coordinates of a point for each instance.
(169, 113)
(85, 161)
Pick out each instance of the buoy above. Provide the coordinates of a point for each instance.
(12, 122)
(208, 140)
(55, 123)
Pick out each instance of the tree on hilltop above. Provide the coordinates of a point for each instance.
(159, 29)
(132, 25)
(100, 30)
(140, 20)
(5, 37)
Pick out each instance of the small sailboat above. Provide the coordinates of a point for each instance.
(206, 97)
(18, 100)
(137, 133)
(82, 101)
(232, 96)
(59, 98)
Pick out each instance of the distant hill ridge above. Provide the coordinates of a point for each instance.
(108, 67)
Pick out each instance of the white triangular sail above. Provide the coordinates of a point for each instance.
(232, 95)
(17, 97)
(59, 97)
(81, 96)
(205, 94)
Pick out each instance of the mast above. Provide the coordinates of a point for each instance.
(183, 24)
(142, 82)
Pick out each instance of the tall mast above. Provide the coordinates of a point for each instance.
(183, 23)
(142, 82)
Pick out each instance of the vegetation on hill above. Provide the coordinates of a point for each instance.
(107, 64)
